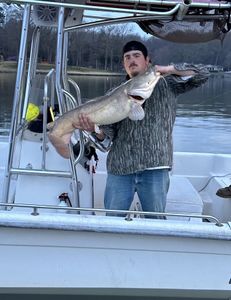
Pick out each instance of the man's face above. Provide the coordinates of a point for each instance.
(135, 63)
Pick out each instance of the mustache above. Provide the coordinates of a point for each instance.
(133, 65)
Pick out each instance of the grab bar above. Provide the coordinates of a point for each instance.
(98, 8)
(100, 210)
(109, 9)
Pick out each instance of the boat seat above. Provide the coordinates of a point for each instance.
(183, 197)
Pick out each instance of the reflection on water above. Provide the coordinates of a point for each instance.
(95, 86)
(203, 120)
(6, 95)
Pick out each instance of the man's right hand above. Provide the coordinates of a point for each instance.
(85, 123)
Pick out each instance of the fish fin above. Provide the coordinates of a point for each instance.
(50, 125)
(61, 146)
(97, 130)
(136, 113)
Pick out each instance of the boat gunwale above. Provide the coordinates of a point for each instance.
(115, 225)
(128, 213)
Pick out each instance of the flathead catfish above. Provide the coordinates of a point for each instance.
(122, 102)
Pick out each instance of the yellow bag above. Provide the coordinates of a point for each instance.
(32, 112)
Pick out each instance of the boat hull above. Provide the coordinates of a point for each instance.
(98, 261)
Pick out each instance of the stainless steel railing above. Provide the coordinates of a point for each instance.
(128, 213)
(19, 86)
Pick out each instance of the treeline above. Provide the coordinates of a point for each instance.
(101, 48)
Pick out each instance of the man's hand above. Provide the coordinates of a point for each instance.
(167, 70)
(85, 123)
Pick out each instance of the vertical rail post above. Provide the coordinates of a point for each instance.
(62, 106)
(18, 96)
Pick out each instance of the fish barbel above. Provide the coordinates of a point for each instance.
(122, 102)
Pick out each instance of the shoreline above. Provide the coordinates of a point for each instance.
(11, 67)
(69, 72)
(44, 69)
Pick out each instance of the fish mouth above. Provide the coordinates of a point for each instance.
(136, 97)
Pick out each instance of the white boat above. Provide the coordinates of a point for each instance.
(47, 248)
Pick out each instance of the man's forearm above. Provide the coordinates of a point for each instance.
(171, 70)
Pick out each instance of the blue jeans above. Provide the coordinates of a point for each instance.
(150, 185)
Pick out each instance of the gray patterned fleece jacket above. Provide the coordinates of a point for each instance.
(139, 145)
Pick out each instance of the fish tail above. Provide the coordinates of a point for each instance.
(60, 145)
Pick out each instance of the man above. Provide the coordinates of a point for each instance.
(141, 153)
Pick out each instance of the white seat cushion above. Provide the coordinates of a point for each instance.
(183, 197)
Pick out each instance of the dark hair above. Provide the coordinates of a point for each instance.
(135, 45)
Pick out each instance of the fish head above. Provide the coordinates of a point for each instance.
(141, 86)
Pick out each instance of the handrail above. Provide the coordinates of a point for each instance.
(77, 90)
(40, 172)
(64, 54)
(100, 6)
(168, 3)
(46, 98)
(100, 210)
(17, 98)
(47, 78)
(58, 61)
(143, 18)
(74, 104)
(110, 21)
(71, 98)
(31, 68)
(62, 107)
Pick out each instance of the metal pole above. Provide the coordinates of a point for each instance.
(59, 90)
(59, 58)
(17, 97)
(31, 67)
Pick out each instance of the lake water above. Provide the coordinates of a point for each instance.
(89, 297)
(203, 122)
